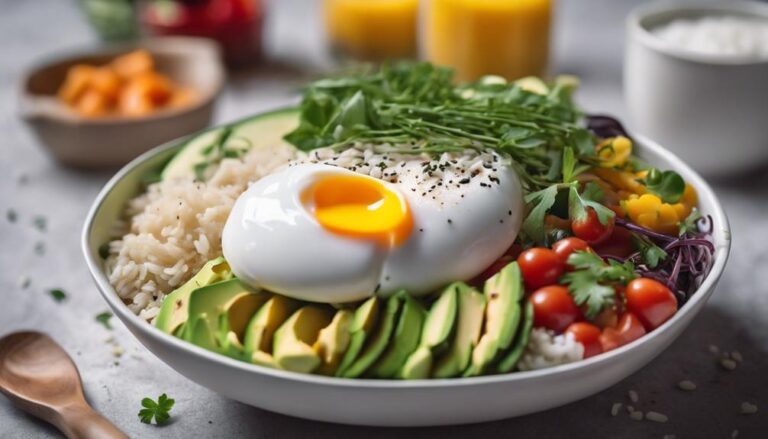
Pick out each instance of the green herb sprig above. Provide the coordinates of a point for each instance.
(592, 281)
(159, 410)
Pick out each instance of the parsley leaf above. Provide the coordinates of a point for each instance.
(592, 282)
(590, 198)
(668, 185)
(58, 294)
(690, 224)
(542, 201)
(103, 318)
(650, 253)
(158, 410)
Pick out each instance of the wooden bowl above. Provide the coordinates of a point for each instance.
(113, 141)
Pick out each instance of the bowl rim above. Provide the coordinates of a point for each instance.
(637, 30)
(191, 46)
(722, 242)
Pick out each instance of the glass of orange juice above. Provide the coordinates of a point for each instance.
(372, 30)
(509, 38)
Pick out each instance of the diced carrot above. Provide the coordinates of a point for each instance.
(106, 82)
(92, 104)
(76, 83)
(133, 63)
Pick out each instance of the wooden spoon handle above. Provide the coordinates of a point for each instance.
(82, 422)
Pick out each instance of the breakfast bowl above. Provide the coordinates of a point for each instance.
(112, 140)
(681, 98)
(366, 401)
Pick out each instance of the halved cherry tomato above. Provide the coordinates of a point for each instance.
(590, 228)
(540, 267)
(627, 330)
(651, 301)
(588, 335)
(619, 244)
(554, 308)
(566, 246)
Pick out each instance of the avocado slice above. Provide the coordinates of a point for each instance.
(333, 341)
(363, 323)
(502, 292)
(231, 298)
(262, 130)
(510, 359)
(435, 335)
(261, 329)
(263, 359)
(199, 333)
(470, 323)
(294, 339)
(376, 345)
(405, 339)
(173, 313)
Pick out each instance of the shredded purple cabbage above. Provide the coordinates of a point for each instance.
(689, 257)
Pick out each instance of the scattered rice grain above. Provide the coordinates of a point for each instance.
(686, 385)
(736, 355)
(633, 396)
(727, 364)
(637, 415)
(656, 417)
(748, 408)
(615, 408)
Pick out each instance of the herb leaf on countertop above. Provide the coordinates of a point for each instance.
(159, 410)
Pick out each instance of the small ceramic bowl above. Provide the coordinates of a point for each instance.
(391, 402)
(711, 110)
(113, 141)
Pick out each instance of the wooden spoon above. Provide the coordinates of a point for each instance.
(40, 378)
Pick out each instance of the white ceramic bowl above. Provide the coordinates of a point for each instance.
(387, 402)
(711, 110)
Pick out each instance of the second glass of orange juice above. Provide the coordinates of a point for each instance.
(372, 30)
(509, 38)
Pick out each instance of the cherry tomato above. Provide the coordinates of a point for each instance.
(540, 267)
(651, 301)
(554, 308)
(618, 244)
(588, 335)
(590, 229)
(608, 317)
(627, 330)
(566, 246)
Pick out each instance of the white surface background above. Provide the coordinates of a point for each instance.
(589, 41)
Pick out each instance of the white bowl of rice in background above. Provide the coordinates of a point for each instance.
(696, 79)
(160, 249)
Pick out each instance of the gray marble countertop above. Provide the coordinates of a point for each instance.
(588, 43)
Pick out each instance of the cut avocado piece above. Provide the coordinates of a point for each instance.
(183, 164)
(263, 359)
(200, 334)
(232, 347)
(333, 341)
(294, 339)
(502, 292)
(405, 339)
(509, 361)
(435, 335)
(378, 342)
(418, 365)
(261, 329)
(230, 297)
(259, 131)
(363, 323)
(174, 311)
(533, 85)
(468, 327)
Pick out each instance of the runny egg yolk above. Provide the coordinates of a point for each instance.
(361, 207)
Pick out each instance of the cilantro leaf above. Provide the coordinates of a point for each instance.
(578, 204)
(668, 185)
(58, 294)
(542, 201)
(690, 224)
(103, 318)
(592, 281)
(650, 253)
(158, 410)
